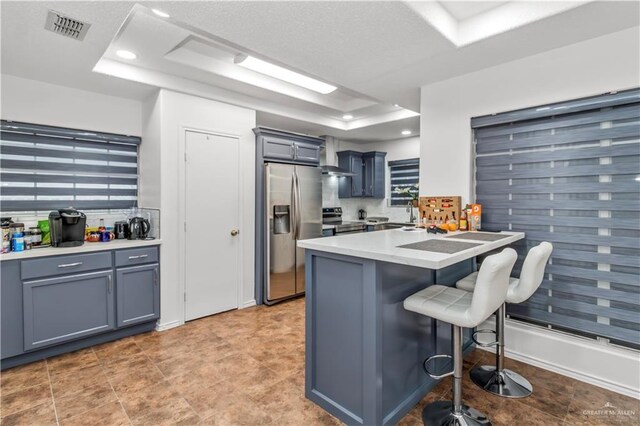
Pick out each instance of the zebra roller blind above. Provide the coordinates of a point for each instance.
(403, 174)
(45, 168)
(569, 173)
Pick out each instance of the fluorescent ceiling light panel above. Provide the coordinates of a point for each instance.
(275, 71)
(160, 13)
(125, 54)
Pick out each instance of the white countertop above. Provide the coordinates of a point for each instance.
(383, 246)
(85, 248)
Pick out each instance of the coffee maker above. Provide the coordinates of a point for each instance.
(67, 227)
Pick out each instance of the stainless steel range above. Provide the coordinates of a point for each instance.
(333, 216)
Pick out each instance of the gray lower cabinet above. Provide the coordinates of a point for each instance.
(138, 293)
(65, 308)
(55, 304)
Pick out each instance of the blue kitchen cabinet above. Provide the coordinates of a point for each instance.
(51, 305)
(374, 174)
(368, 178)
(11, 331)
(65, 308)
(138, 291)
(288, 147)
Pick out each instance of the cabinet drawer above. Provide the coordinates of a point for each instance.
(136, 256)
(58, 265)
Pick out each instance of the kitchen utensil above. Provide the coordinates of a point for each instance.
(106, 236)
(121, 230)
(139, 228)
(67, 227)
(93, 237)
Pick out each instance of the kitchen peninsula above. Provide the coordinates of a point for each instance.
(364, 351)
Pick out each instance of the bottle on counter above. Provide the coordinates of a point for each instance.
(17, 242)
(27, 240)
(36, 236)
(464, 224)
(6, 240)
(453, 223)
(102, 228)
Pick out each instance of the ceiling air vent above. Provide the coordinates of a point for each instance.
(66, 26)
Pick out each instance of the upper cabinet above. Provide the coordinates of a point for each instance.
(288, 147)
(368, 178)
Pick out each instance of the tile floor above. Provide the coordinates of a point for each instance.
(246, 368)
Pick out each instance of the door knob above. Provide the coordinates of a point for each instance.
(234, 232)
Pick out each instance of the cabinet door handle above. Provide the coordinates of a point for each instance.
(155, 277)
(69, 265)
(110, 284)
(140, 256)
(292, 150)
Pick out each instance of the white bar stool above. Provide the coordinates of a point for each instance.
(497, 379)
(462, 309)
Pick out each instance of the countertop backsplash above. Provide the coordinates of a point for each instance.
(350, 206)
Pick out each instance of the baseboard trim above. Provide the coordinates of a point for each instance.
(248, 304)
(534, 345)
(168, 325)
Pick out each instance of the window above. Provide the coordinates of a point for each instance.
(45, 168)
(569, 174)
(403, 174)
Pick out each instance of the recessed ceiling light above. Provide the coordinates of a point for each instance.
(406, 132)
(347, 117)
(638, 178)
(396, 105)
(125, 54)
(160, 13)
(283, 74)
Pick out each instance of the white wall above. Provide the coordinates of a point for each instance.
(588, 68)
(165, 117)
(600, 65)
(398, 149)
(44, 103)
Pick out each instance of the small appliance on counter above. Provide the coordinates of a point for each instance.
(139, 228)
(362, 214)
(121, 230)
(67, 227)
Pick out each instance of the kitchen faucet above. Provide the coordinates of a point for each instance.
(412, 218)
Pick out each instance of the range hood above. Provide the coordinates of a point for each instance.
(335, 171)
(330, 168)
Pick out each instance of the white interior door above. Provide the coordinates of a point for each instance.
(212, 197)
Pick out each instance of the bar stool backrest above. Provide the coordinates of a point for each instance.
(532, 273)
(491, 285)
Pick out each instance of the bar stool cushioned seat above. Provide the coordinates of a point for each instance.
(463, 309)
(497, 379)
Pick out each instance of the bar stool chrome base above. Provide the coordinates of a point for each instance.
(506, 383)
(440, 413)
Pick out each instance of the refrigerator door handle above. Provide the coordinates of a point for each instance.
(294, 207)
(267, 231)
(298, 216)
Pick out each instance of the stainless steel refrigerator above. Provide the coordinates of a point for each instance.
(294, 212)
